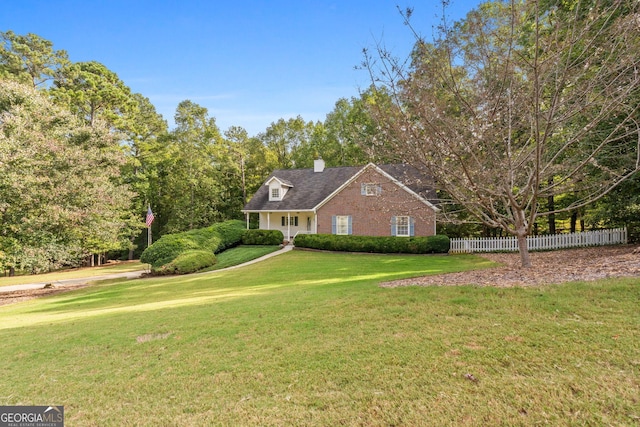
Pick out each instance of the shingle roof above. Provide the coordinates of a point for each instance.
(310, 188)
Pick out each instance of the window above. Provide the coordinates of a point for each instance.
(343, 224)
(370, 189)
(402, 226)
(292, 220)
(275, 194)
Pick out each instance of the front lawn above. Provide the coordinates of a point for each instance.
(309, 338)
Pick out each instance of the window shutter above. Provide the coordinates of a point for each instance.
(412, 227)
(350, 229)
(393, 225)
(283, 221)
(379, 189)
(363, 189)
(333, 224)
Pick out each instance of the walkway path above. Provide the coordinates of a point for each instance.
(126, 275)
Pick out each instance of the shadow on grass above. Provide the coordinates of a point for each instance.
(294, 269)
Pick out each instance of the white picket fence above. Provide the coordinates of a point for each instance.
(541, 243)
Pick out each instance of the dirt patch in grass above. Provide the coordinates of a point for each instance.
(18, 296)
(584, 264)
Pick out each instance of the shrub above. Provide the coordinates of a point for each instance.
(262, 237)
(213, 239)
(167, 248)
(189, 262)
(409, 245)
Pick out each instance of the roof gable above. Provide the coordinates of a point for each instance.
(282, 182)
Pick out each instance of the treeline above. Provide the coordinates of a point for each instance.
(82, 156)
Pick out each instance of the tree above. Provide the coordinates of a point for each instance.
(30, 59)
(238, 139)
(59, 180)
(283, 138)
(92, 91)
(144, 141)
(518, 103)
(190, 189)
(351, 130)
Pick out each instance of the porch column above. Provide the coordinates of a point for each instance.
(268, 221)
(246, 215)
(288, 225)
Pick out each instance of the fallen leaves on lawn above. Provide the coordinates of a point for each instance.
(584, 264)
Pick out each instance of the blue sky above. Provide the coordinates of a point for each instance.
(249, 63)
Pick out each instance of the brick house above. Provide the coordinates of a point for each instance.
(371, 200)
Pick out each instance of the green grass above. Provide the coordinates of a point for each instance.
(309, 338)
(76, 273)
(240, 255)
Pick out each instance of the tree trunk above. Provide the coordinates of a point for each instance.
(551, 206)
(525, 259)
(574, 220)
(244, 183)
(521, 232)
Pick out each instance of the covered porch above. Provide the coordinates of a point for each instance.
(289, 222)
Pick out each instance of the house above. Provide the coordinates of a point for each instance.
(370, 200)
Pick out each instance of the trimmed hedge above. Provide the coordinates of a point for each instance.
(438, 244)
(262, 237)
(213, 239)
(189, 262)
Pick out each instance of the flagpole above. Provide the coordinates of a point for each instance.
(149, 221)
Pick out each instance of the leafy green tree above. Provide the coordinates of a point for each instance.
(30, 59)
(59, 180)
(143, 142)
(189, 191)
(239, 152)
(92, 92)
(312, 144)
(283, 138)
(351, 131)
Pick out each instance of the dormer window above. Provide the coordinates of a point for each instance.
(278, 189)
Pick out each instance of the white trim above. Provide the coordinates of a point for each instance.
(408, 225)
(282, 183)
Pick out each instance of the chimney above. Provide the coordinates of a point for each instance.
(318, 165)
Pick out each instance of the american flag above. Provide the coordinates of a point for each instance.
(150, 217)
